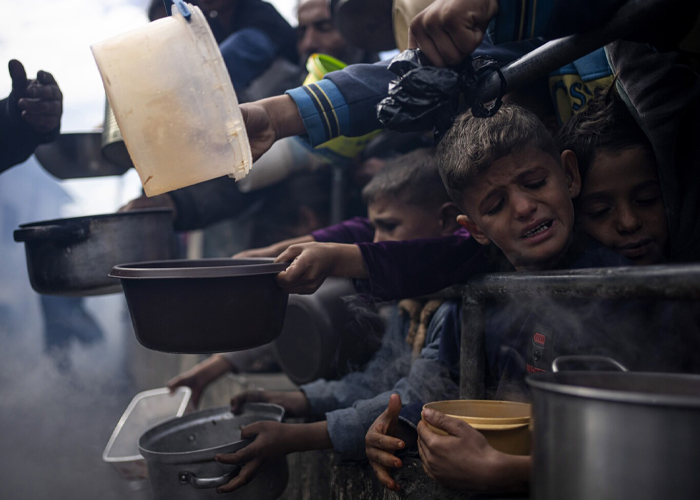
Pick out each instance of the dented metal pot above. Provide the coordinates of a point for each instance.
(180, 455)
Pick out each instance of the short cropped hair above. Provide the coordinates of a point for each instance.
(605, 125)
(412, 178)
(473, 144)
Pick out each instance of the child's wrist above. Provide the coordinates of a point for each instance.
(349, 262)
(508, 473)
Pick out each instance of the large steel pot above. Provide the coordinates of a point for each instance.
(74, 256)
(322, 337)
(612, 435)
(180, 455)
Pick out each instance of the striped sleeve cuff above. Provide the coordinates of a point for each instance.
(323, 110)
(520, 20)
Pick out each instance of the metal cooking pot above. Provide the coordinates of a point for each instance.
(113, 146)
(321, 337)
(77, 155)
(612, 435)
(74, 256)
(180, 455)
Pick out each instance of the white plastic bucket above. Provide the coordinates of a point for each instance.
(174, 103)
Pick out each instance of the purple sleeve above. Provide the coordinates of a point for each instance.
(401, 269)
(355, 230)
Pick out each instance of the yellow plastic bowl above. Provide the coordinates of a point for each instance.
(504, 424)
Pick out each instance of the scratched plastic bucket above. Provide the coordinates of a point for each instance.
(173, 100)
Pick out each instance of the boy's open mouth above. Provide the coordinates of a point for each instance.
(539, 228)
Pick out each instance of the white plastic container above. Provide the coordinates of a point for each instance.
(146, 410)
(174, 103)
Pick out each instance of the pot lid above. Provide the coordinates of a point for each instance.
(658, 389)
(201, 435)
(199, 268)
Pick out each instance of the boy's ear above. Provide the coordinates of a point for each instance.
(569, 163)
(473, 229)
(448, 218)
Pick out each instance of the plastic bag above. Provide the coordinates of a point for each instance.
(425, 97)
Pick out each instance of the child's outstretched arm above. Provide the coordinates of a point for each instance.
(272, 440)
(201, 375)
(312, 263)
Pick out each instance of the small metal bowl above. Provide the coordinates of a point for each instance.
(206, 305)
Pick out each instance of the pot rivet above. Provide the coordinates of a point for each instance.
(191, 438)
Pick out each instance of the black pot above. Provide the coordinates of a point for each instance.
(180, 455)
(321, 337)
(77, 155)
(204, 306)
(612, 435)
(74, 256)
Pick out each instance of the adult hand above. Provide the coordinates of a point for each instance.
(295, 403)
(313, 262)
(463, 459)
(271, 440)
(448, 31)
(159, 201)
(200, 376)
(380, 445)
(268, 120)
(39, 101)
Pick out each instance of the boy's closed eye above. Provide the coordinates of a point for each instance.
(385, 225)
(647, 194)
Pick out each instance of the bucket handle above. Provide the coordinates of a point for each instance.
(587, 359)
(182, 7)
(202, 483)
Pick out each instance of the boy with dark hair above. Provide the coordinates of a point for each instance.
(621, 201)
(403, 202)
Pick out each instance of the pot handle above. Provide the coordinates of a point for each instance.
(202, 483)
(64, 234)
(587, 359)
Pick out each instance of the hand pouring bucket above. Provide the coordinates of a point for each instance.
(174, 102)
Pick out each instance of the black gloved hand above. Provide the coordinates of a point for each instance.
(37, 103)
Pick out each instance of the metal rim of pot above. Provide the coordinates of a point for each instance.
(274, 411)
(72, 229)
(584, 380)
(618, 395)
(209, 268)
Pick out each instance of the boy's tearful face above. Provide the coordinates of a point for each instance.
(396, 220)
(621, 205)
(522, 204)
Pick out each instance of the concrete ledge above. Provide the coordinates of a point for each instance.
(317, 475)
